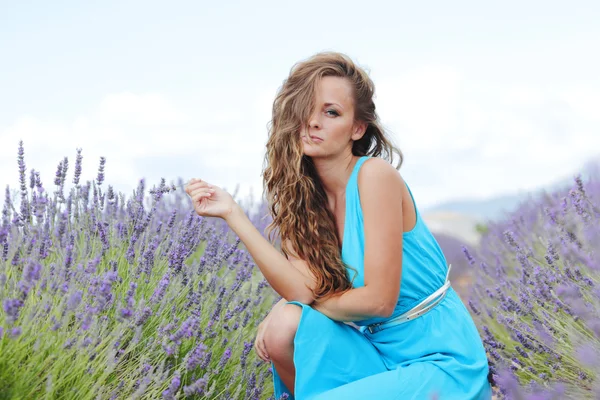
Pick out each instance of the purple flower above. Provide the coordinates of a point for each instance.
(468, 255)
(160, 290)
(589, 355)
(474, 308)
(77, 173)
(251, 386)
(170, 392)
(195, 356)
(247, 348)
(31, 272)
(100, 177)
(12, 308)
(224, 358)
(87, 322)
(22, 168)
(196, 388)
(142, 316)
(15, 332)
(58, 175)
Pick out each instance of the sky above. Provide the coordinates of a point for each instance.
(483, 98)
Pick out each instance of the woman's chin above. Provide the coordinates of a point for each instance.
(310, 152)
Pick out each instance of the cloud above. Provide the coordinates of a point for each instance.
(461, 138)
(145, 110)
(144, 135)
(471, 139)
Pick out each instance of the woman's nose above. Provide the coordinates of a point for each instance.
(314, 123)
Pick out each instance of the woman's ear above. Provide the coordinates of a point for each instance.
(359, 130)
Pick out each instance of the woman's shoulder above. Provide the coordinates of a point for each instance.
(378, 169)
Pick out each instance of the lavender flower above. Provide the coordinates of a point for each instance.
(100, 178)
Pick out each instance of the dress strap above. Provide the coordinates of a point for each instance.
(413, 199)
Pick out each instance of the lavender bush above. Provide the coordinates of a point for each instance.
(536, 295)
(461, 275)
(108, 297)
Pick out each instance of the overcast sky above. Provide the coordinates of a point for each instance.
(483, 98)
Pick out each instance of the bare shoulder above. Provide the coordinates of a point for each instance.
(377, 171)
(380, 186)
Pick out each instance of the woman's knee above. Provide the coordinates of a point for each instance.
(280, 333)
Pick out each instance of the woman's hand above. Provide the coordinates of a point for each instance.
(209, 200)
(259, 342)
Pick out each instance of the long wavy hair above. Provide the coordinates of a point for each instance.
(295, 195)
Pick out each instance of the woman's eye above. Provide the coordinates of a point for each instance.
(333, 111)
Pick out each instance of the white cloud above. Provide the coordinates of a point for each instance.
(139, 109)
(465, 138)
(142, 135)
(421, 105)
(585, 102)
(461, 138)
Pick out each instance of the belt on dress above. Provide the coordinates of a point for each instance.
(423, 307)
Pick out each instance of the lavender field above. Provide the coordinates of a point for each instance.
(112, 297)
(536, 295)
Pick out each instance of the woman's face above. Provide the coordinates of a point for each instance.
(331, 123)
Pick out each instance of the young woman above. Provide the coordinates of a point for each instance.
(367, 311)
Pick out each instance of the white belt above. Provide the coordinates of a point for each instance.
(424, 306)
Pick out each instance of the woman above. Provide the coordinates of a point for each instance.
(366, 309)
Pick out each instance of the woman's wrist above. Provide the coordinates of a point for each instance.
(234, 213)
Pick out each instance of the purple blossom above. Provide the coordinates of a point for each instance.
(77, 173)
(224, 358)
(32, 270)
(160, 290)
(143, 315)
(589, 355)
(196, 388)
(12, 308)
(172, 390)
(544, 292)
(247, 348)
(195, 357)
(100, 178)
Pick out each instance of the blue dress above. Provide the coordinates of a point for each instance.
(438, 355)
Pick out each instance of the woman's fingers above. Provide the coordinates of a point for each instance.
(260, 348)
(200, 197)
(261, 351)
(195, 184)
(258, 352)
(201, 192)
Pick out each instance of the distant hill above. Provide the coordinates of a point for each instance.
(495, 207)
(455, 224)
(479, 209)
(459, 218)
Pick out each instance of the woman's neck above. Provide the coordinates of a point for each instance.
(335, 174)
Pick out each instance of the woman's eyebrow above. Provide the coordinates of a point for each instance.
(333, 104)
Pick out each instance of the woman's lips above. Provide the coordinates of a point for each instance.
(314, 138)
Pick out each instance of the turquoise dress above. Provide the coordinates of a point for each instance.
(438, 355)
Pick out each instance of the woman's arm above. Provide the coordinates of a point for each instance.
(301, 266)
(380, 187)
(283, 276)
